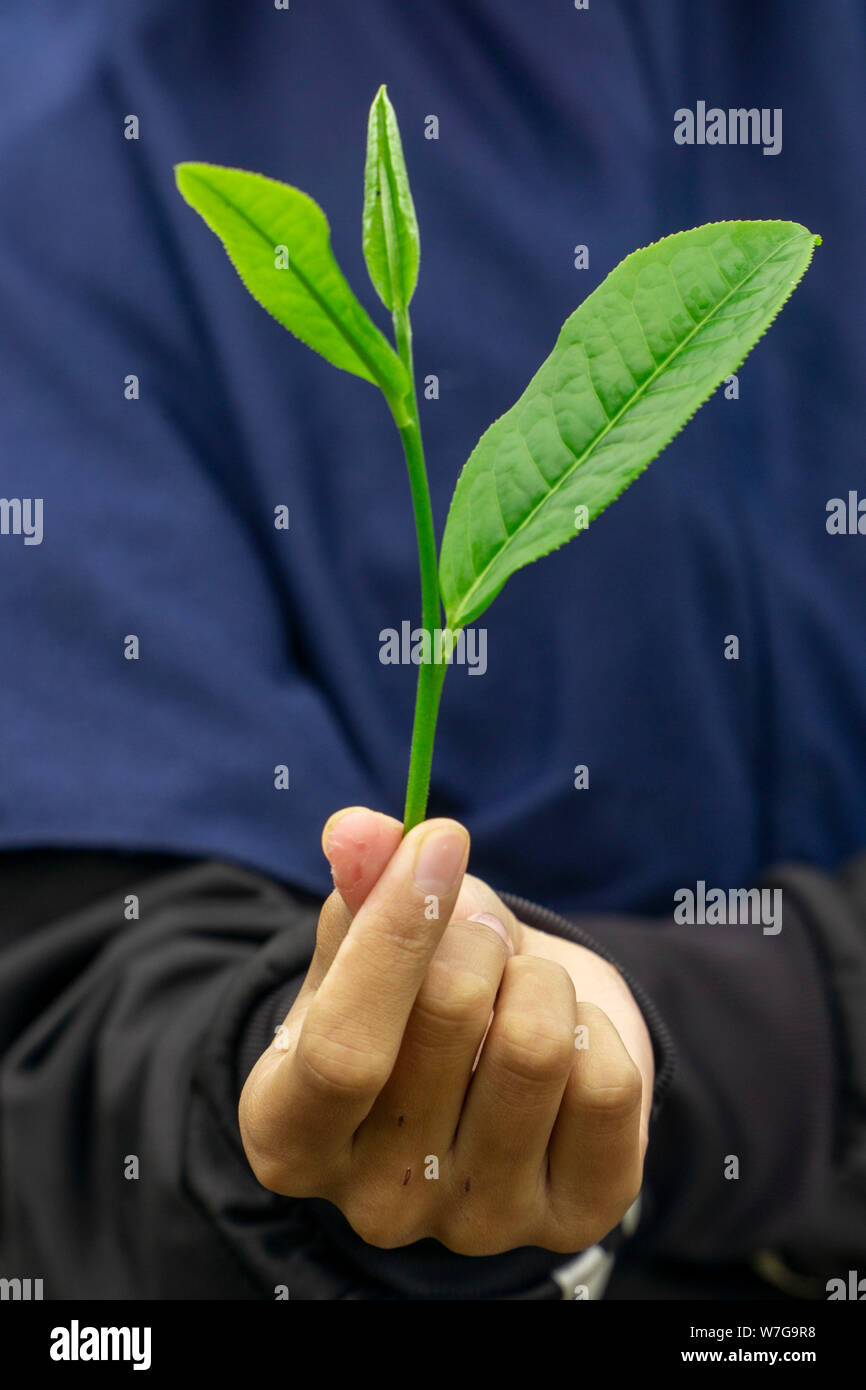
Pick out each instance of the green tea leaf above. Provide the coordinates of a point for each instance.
(630, 367)
(390, 228)
(279, 242)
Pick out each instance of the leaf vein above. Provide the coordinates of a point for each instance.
(641, 390)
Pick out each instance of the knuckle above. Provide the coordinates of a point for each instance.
(454, 995)
(381, 1227)
(591, 1228)
(578, 1233)
(624, 1195)
(274, 1167)
(616, 1098)
(255, 1126)
(397, 937)
(272, 1174)
(592, 1223)
(333, 1066)
(532, 1048)
(462, 1237)
(289, 1174)
(576, 1225)
(538, 968)
(462, 1241)
(486, 1231)
(554, 970)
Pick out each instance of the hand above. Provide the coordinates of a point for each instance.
(370, 1096)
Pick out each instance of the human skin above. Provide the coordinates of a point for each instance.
(373, 1072)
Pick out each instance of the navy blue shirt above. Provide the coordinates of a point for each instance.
(259, 647)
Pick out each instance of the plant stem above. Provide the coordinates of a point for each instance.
(431, 675)
(430, 680)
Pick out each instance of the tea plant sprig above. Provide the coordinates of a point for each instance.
(630, 367)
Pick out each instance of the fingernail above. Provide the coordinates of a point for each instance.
(441, 860)
(499, 927)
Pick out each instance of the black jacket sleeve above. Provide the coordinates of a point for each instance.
(770, 1038)
(125, 1043)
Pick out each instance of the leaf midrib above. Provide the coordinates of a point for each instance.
(311, 291)
(391, 236)
(613, 421)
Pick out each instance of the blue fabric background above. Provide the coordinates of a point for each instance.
(260, 647)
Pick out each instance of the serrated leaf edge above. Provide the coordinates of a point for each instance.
(458, 620)
(375, 377)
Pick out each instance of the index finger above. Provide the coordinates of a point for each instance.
(354, 1027)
